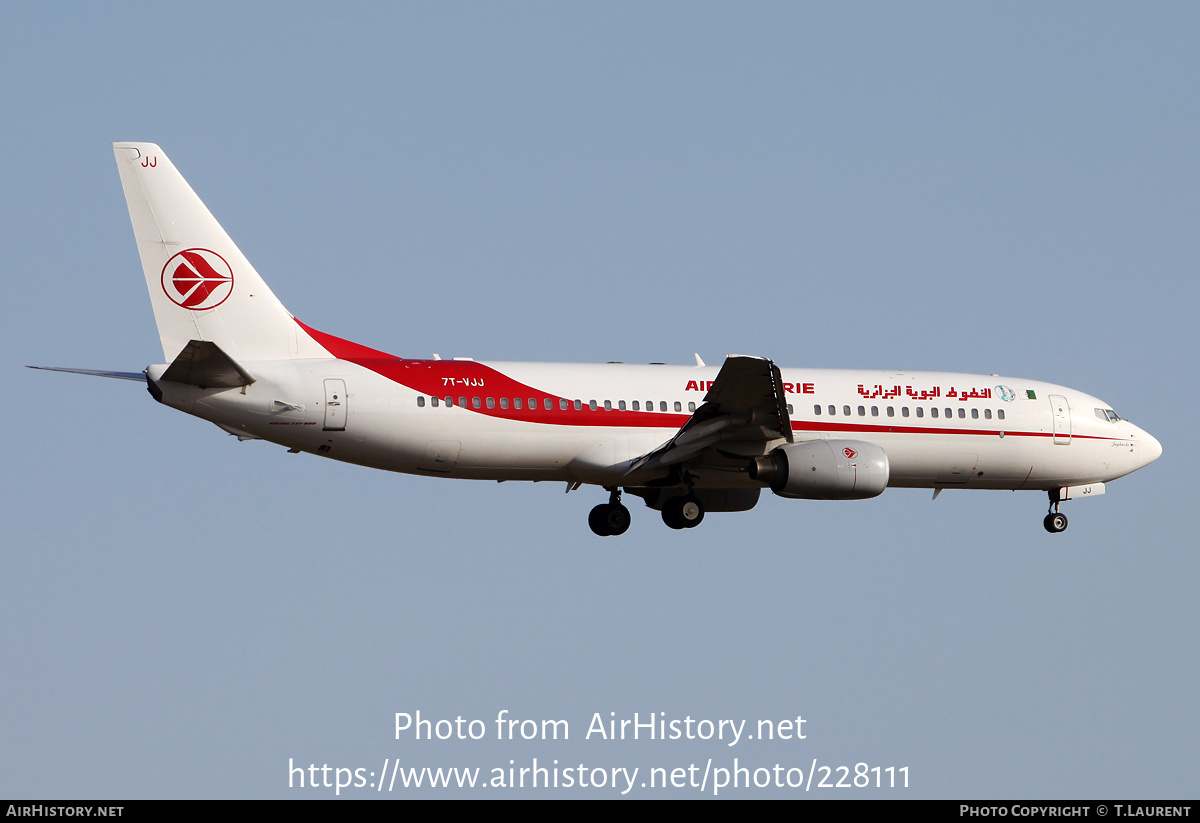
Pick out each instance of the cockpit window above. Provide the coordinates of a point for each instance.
(1108, 414)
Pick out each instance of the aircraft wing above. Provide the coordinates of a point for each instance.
(745, 403)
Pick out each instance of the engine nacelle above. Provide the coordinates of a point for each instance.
(824, 470)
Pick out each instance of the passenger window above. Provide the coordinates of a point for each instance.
(475, 403)
(891, 411)
(636, 406)
(517, 403)
(933, 412)
(962, 412)
(421, 401)
(817, 410)
(949, 412)
(434, 401)
(504, 402)
(846, 410)
(462, 402)
(974, 414)
(491, 402)
(1000, 414)
(691, 407)
(987, 414)
(874, 411)
(832, 410)
(790, 409)
(578, 405)
(678, 406)
(662, 405)
(862, 412)
(621, 405)
(920, 411)
(904, 411)
(592, 405)
(449, 401)
(562, 403)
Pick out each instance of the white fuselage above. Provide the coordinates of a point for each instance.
(938, 429)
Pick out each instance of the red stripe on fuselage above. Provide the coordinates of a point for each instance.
(466, 378)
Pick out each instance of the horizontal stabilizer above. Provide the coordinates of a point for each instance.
(203, 364)
(120, 375)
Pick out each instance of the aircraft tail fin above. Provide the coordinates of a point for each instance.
(202, 287)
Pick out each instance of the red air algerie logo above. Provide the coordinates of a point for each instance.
(197, 279)
(849, 452)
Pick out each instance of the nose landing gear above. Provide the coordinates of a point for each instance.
(1055, 522)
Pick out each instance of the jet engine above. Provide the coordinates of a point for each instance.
(824, 470)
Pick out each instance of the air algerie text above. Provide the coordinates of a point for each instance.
(789, 388)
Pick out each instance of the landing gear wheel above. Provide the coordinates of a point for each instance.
(672, 517)
(1055, 522)
(609, 519)
(618, 519)
(598, 520)
(692, 511)
(683, 512)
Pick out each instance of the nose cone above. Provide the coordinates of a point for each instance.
(1150, 449)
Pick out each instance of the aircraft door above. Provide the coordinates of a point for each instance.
(335, 405)
(1061, 412)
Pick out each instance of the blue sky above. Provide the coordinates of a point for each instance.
(1006, 188)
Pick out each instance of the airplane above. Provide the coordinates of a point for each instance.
(686, 440)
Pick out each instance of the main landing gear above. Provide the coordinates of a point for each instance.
(683, 512)
(611, 518)
(1055, 522)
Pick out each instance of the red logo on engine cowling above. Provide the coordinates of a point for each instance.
(197, 279)
(849, 452)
